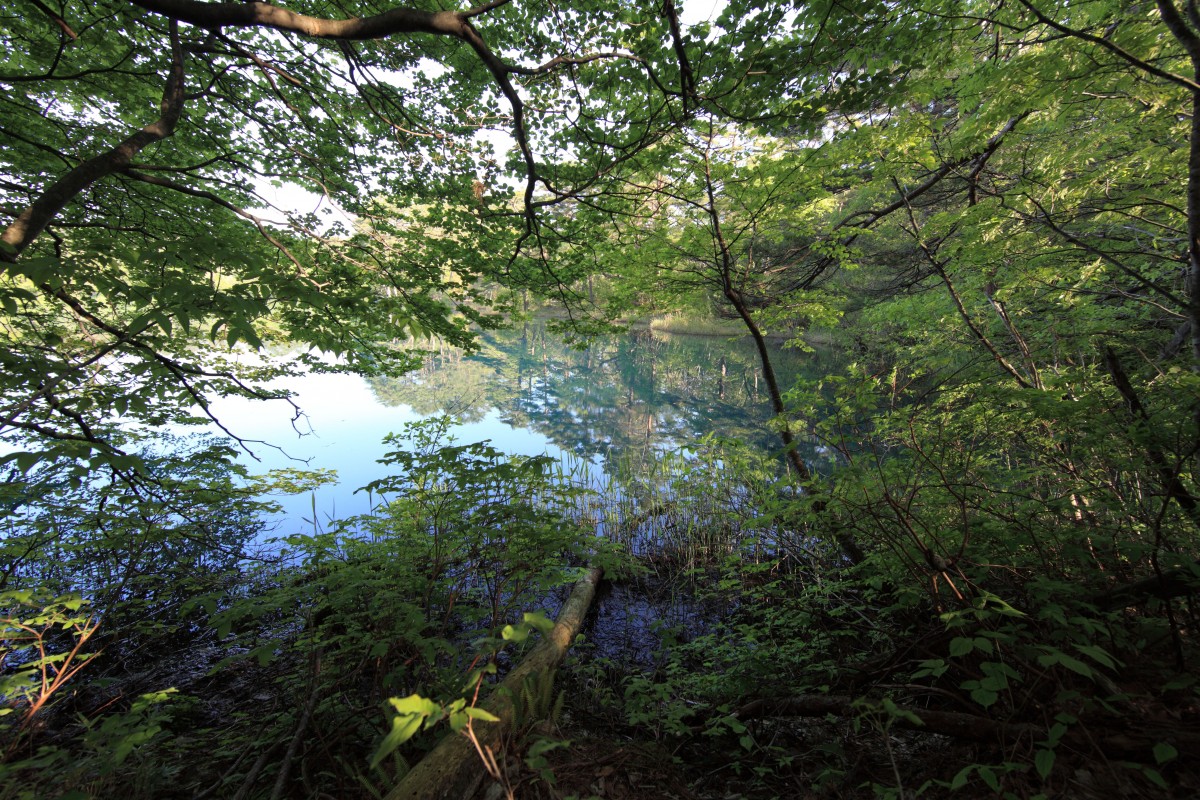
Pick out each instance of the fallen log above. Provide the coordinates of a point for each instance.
(1171, 584)
(946, 723)
(453, 770)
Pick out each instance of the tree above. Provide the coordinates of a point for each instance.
(131, 228)
(981, 151)
(146, 272)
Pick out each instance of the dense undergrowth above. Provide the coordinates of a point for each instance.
(737, 652)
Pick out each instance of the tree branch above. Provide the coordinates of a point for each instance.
(1104, 256)
(34, 219)
(212, 198)
(1179, 29)
(1114, 48)
(687, 79)
(483, 9)
(265, 15)
(54, 15)
(906, 196)
(559, 61)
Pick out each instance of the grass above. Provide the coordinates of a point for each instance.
(695, 324)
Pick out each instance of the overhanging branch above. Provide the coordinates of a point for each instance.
(265, 15)
(34, 219)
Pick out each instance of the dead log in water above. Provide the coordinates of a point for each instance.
(453, 770)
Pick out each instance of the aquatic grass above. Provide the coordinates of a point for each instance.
(686, 511)
(693, 323)
(676, 512)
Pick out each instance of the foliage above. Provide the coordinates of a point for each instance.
(139, 554)
(30, 630)
(783, 627)
(45, 642)
(416, 600)
(415, 712)
(994, 207)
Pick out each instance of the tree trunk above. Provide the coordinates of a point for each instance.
(453, 769)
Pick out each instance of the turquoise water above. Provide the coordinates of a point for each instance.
(524, 391)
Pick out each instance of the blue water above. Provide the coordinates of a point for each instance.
(343, 429)
(526, 393)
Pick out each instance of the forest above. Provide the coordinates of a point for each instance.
(965, 566)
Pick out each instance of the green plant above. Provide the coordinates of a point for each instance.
(118, 751)
(415, 713)
(535, 756)
(42, 641)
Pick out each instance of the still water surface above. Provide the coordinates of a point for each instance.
(528, 393)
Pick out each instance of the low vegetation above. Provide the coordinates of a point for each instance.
(733, 638)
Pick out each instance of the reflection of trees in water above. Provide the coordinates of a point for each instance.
(619, 395)
(448, 382)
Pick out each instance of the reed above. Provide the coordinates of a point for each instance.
(689, 510)
(694, 323)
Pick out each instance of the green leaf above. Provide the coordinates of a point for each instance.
(412, 712)
(1057, 657)
(264, 654)
(538, 620)
(25, 461)
(990, 778)
(1164, 752)
(474, 712)
(1155, 777)
(933, 668)
(515, 633)
(1180, 682)
(1054, 736)
(961, 645)
(1043, 761)
(404, 727)
(962, 777)
(1097, 654)
(895, 711)
(414, 704)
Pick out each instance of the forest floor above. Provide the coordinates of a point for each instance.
(593, 747)
(602, 758)
(592, 751)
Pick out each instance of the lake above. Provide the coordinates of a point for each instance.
(528, 393)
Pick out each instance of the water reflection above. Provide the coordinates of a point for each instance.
(618, 396)
(528, 393)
